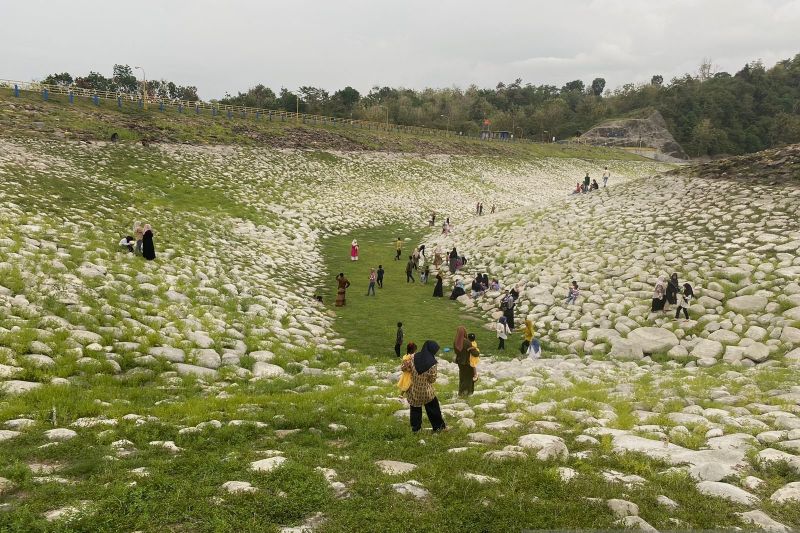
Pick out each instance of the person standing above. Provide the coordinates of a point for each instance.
(341, 290)
(148, 248)
(410, 270)
(138, 235)
(493, 209)
(398, 246)
(502, 333)
(372, 279)
(433, 218)
(587, 181)
(354, 250)
(461, 347)
(659, 295)
(398, 339)
(606, 175)
(507, 306)
(453, 260)
(673, 288)
(480, 209)
(421, 393)
(438, 290)
(379, 279)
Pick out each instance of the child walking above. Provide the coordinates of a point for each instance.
(502, 332)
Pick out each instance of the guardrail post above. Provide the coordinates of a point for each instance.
(96, 99)
(119, 102)
(180, 108)
(71, 97)
(141, 103)
(45, 94)
(258, 115)
(244, 114)
(16, 90)
(230, 115)
(161, 106)
(213, 111)
(196, 109)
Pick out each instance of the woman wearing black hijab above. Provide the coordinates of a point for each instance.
(148, 248)
(423, 368)
(673, 288)
(453, 259)
(438, 291)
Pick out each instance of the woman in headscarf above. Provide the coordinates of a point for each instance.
(423, 368)
(341, 291)
(461, 346)
(673, 288)
(458, 290)
(437, 256)
(438, 291)
(354, 250)
(659, 298)
(453, 260)
(148, 248)
(527, 336)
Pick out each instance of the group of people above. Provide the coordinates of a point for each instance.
(669, 293)
(590, 184)
(141, 242)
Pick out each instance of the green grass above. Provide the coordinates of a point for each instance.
(369, 324)
(84, 120)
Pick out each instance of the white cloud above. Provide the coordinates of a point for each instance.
(228, 46)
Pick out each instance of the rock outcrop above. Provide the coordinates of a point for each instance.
(649, 131)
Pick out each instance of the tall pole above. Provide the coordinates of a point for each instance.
(144, 87)
(297, 112)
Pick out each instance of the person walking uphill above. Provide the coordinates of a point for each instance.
(673, 288)
(148, 248)
(398, 247)
(423, 369)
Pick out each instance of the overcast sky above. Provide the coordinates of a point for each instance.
(229, 46)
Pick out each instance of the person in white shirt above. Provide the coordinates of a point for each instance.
(502, 332)
(606, 175)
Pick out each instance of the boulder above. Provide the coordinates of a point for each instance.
(727, 491)
(653, 340)
(548, 446)
(748, 304)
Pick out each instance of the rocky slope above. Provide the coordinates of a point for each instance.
(650, 131)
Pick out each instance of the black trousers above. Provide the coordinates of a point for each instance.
(397, 349)
(501, 345)
(398, 255)
(410, 277)
(434, 413)
(380, 283)
(509, 314)
(524, 347)
(685, 312)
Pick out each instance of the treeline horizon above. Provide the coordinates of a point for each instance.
(708, 112)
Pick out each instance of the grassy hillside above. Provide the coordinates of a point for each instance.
(29, 115)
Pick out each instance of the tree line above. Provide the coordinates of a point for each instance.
(124, 81)
(708, 112)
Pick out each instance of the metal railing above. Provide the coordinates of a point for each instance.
(231, 111)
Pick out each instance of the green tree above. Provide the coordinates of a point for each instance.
(598, 84)
(63, 79)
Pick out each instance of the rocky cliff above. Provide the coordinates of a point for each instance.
(778, 164)
(649, 131)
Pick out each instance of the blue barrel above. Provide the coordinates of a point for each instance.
(161, 106)
(180, 108)
(71, 97)
(96, 100)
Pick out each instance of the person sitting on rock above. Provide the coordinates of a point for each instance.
(577, 188)
(494, 285)
(458, 290)
(477, 286)
(595, 185)
(573, 293)
(685, 301)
